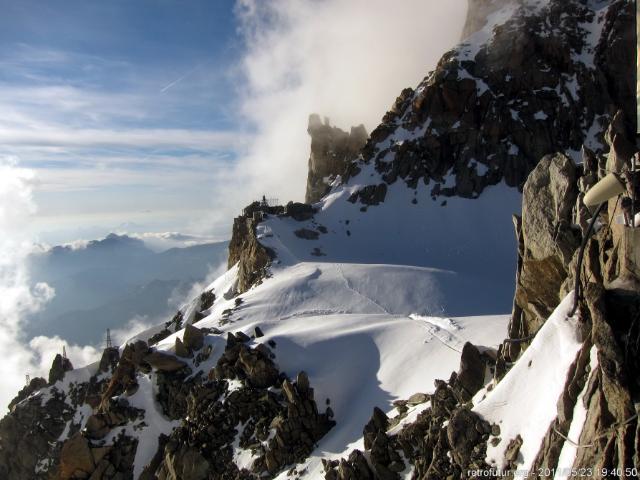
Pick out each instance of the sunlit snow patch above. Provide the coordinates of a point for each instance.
(524, 402)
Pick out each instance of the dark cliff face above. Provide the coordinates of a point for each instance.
(332, 149)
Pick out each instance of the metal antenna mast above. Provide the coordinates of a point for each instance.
(109, 343)
(64, 351)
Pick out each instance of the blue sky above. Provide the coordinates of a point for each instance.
(117, 105)
(168, 115)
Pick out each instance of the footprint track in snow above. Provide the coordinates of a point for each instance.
(442, 329)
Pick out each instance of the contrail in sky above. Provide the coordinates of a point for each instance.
(178, 80)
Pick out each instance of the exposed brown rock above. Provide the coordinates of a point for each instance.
(164, 362)
(299, 211)
(109, 359)
(332, 149)
(306, 234)
(193, 338)
(244, 248)
(470, 377)
(34, 385)
(547, 244)
(76, 457)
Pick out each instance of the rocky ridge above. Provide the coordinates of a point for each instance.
(223, 393)
(447, 439)
(539, 78)
(243, 398)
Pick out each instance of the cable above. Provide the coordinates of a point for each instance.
(602, 435)
(523, 339)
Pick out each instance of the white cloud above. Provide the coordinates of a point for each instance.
(50, 136)
(46, 348)
(18, 296)
(156, 241)
(133, 327)
(160, 241)
(347, 60)
(179, 298)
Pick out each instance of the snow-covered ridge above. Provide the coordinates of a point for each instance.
(540, 373)
(377, 294)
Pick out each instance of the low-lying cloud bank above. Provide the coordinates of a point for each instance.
(18, 296)
(21, 295)
(347, 60)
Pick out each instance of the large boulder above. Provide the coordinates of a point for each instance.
(463, 435)
(549, 196)
(76, 458)
(299, 211)
(548, 238)
(164, 362)
(470, 377)
(184, 464)
(193, 337)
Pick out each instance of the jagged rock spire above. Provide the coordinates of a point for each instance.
(332, 149)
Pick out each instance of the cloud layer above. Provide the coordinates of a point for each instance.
(17, 296)
(21, 295)
(347, 60)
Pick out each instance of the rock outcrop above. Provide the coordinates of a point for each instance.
(332, 149)
(445, 441)
(549, 242)
(250, 255)
(608, 304)
(60, 366)
(518, 110)
(489, 113)
(273, 417)
(28, 437)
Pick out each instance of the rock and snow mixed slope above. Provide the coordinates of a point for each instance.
(353, 334)
(374, 293)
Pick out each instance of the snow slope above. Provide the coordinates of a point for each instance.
(468, 244)
(525, 401)
(378, 306)
(351, 328)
